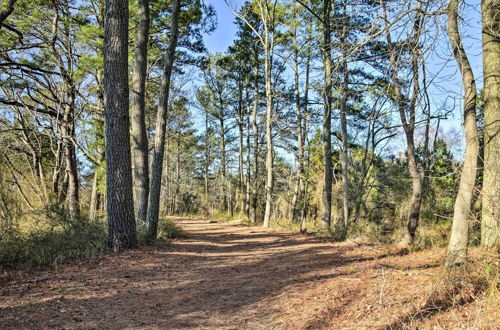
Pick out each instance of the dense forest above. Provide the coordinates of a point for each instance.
(373, 122)
(323, 116)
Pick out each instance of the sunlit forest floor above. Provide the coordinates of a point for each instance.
(228, 276)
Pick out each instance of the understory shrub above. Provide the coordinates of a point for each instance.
(63, 240)
(167, 229)
(367, 230)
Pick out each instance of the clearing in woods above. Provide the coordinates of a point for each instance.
(227, 276)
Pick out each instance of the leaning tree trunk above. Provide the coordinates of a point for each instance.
(457, 248)
(121, 223)
(138, 130)
(161, 122)
(490, 226)
(327, 118)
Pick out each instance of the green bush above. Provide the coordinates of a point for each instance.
(433, 234)
(168, 229)
(367, 230)
(51, 245)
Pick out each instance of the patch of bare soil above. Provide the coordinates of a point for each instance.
(225, 276)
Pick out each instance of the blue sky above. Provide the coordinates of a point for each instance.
(448, 87)
(225, 33)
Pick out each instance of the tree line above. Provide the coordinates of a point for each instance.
(321, 115)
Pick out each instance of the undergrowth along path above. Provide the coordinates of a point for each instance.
(227, 276)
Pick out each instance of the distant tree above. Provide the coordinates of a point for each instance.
(161, 122)
(214, 98)
(139, 135)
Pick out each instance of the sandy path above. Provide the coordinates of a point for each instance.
(221, 276)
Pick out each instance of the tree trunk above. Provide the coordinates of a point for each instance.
(344, 135)
(457, 248)
(416, 197)
(225, 199)
(207, 163)
(97, 196)
(300, 135)
(269, 138)
(177, 194)
(241, 180)
(303, 188)
(72, 193)
(408, 123)
(121, 223)
(255, 130)
(327, 118)
(248, 153)
(56, 174)
(161, 122)
(94, 198)
(303, 215)
(490, 226)
(140, 162)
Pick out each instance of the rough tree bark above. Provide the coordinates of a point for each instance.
(490, 226)
(344, 90)
(457, 247)
(327, 118)
(139, 136)
(161, 122)
(121, 223)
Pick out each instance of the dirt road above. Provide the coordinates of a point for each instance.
(225, 276)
